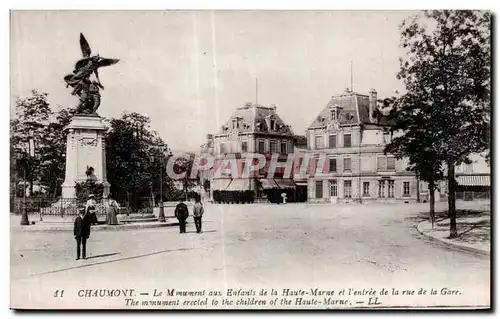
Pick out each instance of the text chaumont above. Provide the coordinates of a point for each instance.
(102, 293)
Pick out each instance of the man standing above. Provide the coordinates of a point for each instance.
(198, 213)
(81, 231)
(182, 213)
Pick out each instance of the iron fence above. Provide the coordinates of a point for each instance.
(50, 206)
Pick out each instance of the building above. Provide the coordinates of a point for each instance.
(345, 144)
(253, 129)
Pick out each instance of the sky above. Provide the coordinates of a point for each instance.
(189, 70)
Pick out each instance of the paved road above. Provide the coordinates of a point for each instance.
(255, 246)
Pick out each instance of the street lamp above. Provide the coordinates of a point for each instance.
(22, 158)
(161, 216)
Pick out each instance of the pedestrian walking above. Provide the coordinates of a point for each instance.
(182, 213)
(198, 213)
(90, 209)
(112, 210)
(81, 231)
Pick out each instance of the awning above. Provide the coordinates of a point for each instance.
(268, 184)
(285, 183)
(473, 180)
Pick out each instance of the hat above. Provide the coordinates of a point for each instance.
(91, 195)
(81, 210)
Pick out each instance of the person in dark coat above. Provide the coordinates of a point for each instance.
(81, 231)
(182, 213)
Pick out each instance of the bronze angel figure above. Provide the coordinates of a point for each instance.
(84, 87)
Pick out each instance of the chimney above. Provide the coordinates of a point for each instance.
(274, 107)
(248, 103)
(372, 105)
(210, 137)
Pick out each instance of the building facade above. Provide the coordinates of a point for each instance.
(252, 129)
(345, 152)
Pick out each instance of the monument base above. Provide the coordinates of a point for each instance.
(85, 154)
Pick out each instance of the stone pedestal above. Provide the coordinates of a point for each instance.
(85, 146)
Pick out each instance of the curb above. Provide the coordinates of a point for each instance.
(34, 228)
(451, 245)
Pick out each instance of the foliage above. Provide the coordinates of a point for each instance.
(53, 152)
(27, 134)
(135, 158)
(84, 189)
(444, 115)
(184, 165)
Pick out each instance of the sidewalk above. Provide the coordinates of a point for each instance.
(474, 233)
(57, 223)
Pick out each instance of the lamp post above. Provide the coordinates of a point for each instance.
(161, 215)
(22, 158)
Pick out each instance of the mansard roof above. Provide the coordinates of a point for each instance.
(354, 108)
(252, 118)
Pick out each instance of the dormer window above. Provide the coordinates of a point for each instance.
(236, 122)
(271, 123)
(335, 112)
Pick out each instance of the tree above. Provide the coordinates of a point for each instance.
(185, 165)
(132, 155)
(28, 130)
(53, 151)
(417, 144)
(446, 73)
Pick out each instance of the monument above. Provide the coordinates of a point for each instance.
(85, 145)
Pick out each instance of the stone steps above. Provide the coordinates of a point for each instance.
(139, 220)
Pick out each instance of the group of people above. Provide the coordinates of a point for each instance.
(87, 217)
(182, 213)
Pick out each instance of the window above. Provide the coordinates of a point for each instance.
(347, 140)
(333, 188)
(347, 189)
(347, 163)
(319, 189)
(273, 146)
(316, 165)
(381, 189)
(332, 141)
(262, 146)
(301, 160)
(223, 148)
(386, 163)
(390, 189)
(366, 188)
(381, 163)
(391, 163)
(283, 148)
(333, 165)
(318, 142)
(273, 124)
(406, 188)
(244, 147)
(333, 114)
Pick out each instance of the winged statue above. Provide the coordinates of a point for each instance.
(85, 79)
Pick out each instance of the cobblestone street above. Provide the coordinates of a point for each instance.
(255, 246)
